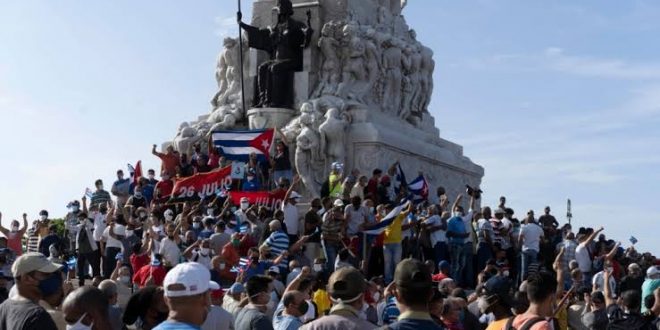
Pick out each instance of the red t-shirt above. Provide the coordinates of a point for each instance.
(139, 261)
(165, 187)
(169, 163)
(14, 243)
(439, 277)
(157, 273)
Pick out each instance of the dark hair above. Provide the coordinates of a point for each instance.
(540, 286)
(257, 284)
(631, 299)
(343, 254)
(289, 298)
(377, 171)
(520, 302)
(139, 303)
(136, 248)
(649, 301)
(98, 182)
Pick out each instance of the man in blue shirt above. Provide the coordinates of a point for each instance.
(289, 311)
(413, 291)
(187, 293)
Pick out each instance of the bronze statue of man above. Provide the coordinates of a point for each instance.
(284, 43)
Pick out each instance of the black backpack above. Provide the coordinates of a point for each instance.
(527, 325)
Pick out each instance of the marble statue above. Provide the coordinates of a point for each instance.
(392, 62)
(285, 43)
(225, 117)
(372, 55)
(228, 75)
(333, 132)
(185, 138)
(330, 69)
(309, 158)
(426, 78)
(354, 75)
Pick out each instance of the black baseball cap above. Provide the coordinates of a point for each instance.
(412, 274)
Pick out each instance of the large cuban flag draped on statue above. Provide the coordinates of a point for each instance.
(238, 145)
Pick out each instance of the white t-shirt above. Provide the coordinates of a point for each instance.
(99, 227)
(170, 251)
(291, 218)
(438, 235)
(355, 218)
(109, 241)
(599, 282)
(531, 234)
(201, 259)
(467, 222)
(583, 258)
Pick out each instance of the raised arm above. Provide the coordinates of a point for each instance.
(472, 202)
(84, 208)
(3, 230)
(188, 252)
(606, 290)
(296, 179)
(457, 202)
(612, 252)
(279, 258)
(25, 225)
(593, 235)
(154, 152)
(295, 283)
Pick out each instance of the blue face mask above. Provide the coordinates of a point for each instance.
(51, 284)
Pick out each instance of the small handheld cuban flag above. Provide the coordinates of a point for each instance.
(88, 193)
(242, 265)
(633, 240)
(244, 228)
(419, 189)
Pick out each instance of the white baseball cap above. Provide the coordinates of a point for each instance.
(652, 271)
(188, 279)
(274, 269)
(338, 203)
(294, 195)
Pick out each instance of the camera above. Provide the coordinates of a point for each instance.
(472, 192)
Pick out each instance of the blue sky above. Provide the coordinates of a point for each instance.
(555, 99)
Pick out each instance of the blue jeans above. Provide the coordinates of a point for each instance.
(484, 253)
(456, 267)
(468, 270)
(440, 252)
(528, 257)
(331, 252)
(392, 253)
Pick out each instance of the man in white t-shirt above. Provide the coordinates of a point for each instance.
(112, 247)
(355, 215)
(169, 247)
(291, 216)
(529, 240)
(437, 227)
(583, 256)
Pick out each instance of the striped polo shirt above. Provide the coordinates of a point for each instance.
(278, 242)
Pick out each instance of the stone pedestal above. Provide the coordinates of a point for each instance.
(259, 118)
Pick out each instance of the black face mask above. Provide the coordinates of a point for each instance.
(303, 307)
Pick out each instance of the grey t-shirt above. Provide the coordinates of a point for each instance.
(252, 319)
(219, 240)
(24, 315)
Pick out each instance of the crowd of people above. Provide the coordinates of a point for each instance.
(128, 259)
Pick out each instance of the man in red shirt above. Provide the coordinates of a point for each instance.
(170, 160)
(153, 274)
(444, 271)
(372, 185)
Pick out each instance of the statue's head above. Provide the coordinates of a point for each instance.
(307, 108)
(328, 29)
(285, 8)
(332, 113)
(229, 42)
(306, 118)
(413, 34)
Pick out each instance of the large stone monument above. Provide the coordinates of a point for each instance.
(359, 95)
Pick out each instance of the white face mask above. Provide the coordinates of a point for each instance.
(458, 214)
(125, 279)
(138, 195)
(14, 228)
(129, 233)
(169, 217)
(204, 251)
(222, 266)
(196, 225)
(44, 217)
(244, 206)
(318, 268)
(209, 212)
(79, 325)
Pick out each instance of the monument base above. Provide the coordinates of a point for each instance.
(259, 118)
(379, 141)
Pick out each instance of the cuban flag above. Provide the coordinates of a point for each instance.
(238, 145)
(633, 240)
(242, 265)
(419, 189)
(89, 193)
(388, 220)
(400, 179)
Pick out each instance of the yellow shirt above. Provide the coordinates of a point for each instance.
(322, 301)
(335, 185)
(393, 231)
(497, 325)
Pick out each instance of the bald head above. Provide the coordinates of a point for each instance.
(89, 302)
(274, 225)
(109, 289)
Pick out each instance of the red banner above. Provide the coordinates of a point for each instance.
(271, 200)
(200, 186)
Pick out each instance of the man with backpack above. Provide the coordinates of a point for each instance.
(541, 293)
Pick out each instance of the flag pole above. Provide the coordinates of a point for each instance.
(240, 50)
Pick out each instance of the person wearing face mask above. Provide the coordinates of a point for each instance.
(220, 273)
(152, 274)
(230, 251)
(86, 308)
(146, 309)
(251, 183)
(252, 316)
(151, 177)
(138, 202)
(70, 224)
(14, 234)
(346, 288)
(460, 242)
(163, 188)
(122, 277)
(99, 196)
(109, 289)
(36, 277)
(209, 223)
(220, 238)
(199, 252)
(87, 249)
(290, 309)
(121, 188)
(51, 239)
